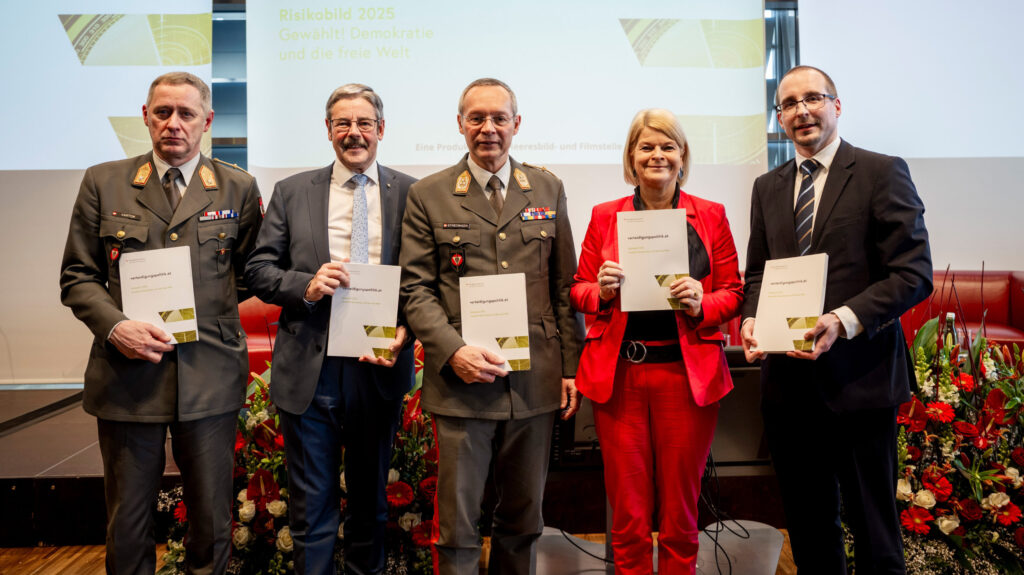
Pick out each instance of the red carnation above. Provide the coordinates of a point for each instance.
(970, 510)
(912, 415)
(428, 488)
(180, 513)
(939, 411)
(965, 429)
(399, 494)
(1018, 456)
(916, 520)
(1018, 536)
(423, 533)
(1007, 514)
(940, 487)
(965, 382)
(913, 453)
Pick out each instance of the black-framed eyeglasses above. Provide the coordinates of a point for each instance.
(363, 124)
(811, 102)
(500, 120)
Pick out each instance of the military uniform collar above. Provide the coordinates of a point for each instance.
(187, 169)
(483, 176)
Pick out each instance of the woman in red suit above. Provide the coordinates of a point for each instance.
(655, 377)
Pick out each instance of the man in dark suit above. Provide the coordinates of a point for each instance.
(316, 222)
(486, 215)
(136, 383)
(830, 414)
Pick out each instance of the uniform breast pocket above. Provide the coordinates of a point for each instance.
(120, 236)
(216, 247)
(538, 238)
(456, 245)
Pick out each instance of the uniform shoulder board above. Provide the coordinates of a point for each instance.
(230, 165)
(541, 168)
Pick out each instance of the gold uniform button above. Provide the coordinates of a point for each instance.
(501, 236)
(222, 235)
(543, 234)
(504, 265)
(174, 237)
(457, 239)
(238, 334)
(120, 234)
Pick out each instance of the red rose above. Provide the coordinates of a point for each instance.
(423, 534)
(940, 487)
(1018, 456)
(970, 510)
(913, 453)
(399, 494)
(939, 411)
(965, 382)
(1007, 514)
(428, 488)
(916, 520)
(912, 415)
(180, 513)
(965, 429)
(1018, 536)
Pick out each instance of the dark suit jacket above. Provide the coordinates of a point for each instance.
(291, 248)
(441, 223)
(116, 209)
(870, 222)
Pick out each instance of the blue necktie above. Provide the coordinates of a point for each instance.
(359, 252)
(804, 213)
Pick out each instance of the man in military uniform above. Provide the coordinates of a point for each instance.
(136, 383)
(489, 215)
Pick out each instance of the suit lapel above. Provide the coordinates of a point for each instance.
(390, 228)
(152, 193)
(317, 199)
(779, 209)
(196, 196)
(838, 175)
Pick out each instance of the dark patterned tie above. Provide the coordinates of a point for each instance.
(805, 206)
(359, 252)
(497, 202)
(171, 189)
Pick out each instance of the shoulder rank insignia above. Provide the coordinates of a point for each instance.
(520, 177)
(142, 175)
(541, 168)
(209, 180)
(462, 184)
(230, 165)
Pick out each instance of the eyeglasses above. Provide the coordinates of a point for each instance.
(811, 102)
(363, 124)
(499, 121)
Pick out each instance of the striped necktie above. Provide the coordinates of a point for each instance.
(804, 214)
(359, 251)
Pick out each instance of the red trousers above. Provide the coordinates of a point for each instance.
(654, 442)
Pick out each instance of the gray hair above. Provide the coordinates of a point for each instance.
(488, 82)
(179, 78)
(352, 91)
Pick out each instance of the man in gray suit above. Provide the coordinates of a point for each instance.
(318, 221)
(488, 215)
(136, 383)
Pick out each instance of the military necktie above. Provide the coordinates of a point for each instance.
(171, 189)
(497, 202)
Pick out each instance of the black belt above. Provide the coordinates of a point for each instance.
(637, 351)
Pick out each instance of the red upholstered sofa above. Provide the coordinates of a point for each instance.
(259, 320)
(968, 294)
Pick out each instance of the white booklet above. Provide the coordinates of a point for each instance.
(791, 299)
(364, 316)
(653, 253)
(494, 317)
(156, 287)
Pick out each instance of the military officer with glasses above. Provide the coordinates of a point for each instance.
(486, 215)
(830, 414)
(317, 222)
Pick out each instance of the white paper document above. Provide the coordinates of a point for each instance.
(494, 317)
(364, 316)
(653, 253)
(791, 300)
(156, 287)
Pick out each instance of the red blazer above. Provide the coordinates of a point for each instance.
(702, 345)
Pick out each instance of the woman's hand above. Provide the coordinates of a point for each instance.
(690, 294)
(609, 278)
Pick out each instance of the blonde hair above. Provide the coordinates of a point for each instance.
(665, 122)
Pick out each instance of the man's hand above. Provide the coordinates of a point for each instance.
(747, 338)
(395, 346)
(140, 340)
(609, 278)
(690, 294)
(826, 330)
(570, 398)
(328, 278)
(475, 364)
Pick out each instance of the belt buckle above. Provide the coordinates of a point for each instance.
(636, 351)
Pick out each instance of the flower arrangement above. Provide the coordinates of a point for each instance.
(960, 457)
(261, 540)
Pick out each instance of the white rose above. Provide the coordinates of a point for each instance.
(277, 508)
(948, 523)
(284, 539)
(924, 498)
(241, 537)
(243, 496)
(995, 500)
(341, 480)
(392, 476)
(409, 520)
(1014, 476)
(903, 490)
(246, 511)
